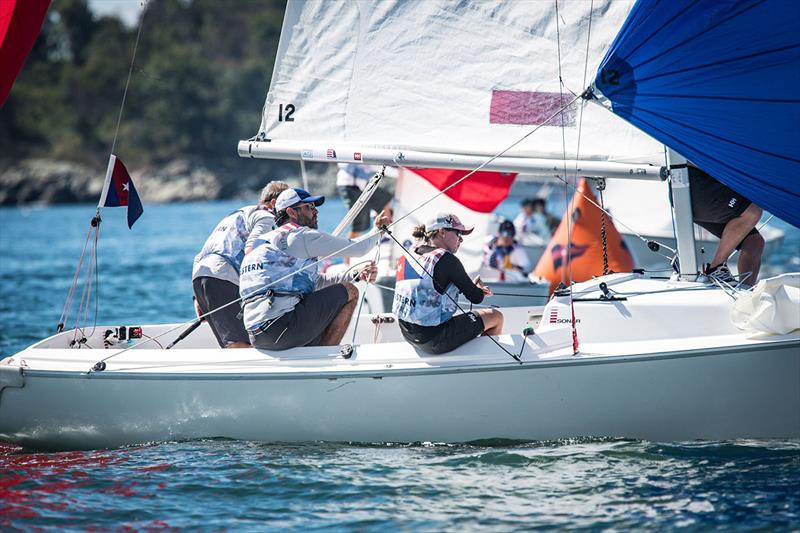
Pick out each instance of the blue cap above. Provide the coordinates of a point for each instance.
(293, 197)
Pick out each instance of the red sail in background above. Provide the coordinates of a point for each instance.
(20, 24)
(482, 192)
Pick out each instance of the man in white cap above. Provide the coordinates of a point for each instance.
(425, 296)
(215, 274)
(287, 302)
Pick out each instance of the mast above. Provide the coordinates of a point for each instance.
(682, 214)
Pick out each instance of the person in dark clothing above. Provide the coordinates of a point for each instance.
(731, 217)
(425, 296)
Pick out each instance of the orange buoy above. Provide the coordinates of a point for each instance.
(586, 248)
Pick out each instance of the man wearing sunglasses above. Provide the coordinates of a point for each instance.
(286, 301)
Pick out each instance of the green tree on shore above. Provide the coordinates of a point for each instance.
(198, 85)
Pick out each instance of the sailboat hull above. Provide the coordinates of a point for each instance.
(711, 394)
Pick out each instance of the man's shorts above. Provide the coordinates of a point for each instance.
(376, 203)
(714, 204)
(306, 323)
(445, 337)
(212, 293)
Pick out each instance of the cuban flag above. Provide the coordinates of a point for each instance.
(118, 190)
(407, 269)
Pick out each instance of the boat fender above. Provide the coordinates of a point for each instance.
(346, 351)
(11, 377)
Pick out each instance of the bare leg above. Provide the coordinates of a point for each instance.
(750, 257)
(335, 331)
(238, 344)
(492, 321)
(734, 232)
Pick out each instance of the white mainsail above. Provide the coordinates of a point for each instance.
(441, 77)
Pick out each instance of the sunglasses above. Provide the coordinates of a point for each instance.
(312, 207)
(456, 231)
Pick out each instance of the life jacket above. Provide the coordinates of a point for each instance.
(415, 298)
(498, 256)
(229, 237)
(268, 262)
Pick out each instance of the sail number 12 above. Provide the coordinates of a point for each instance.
(285, 113)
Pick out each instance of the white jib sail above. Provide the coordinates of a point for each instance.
(354, 79)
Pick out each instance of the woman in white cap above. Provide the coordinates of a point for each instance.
(425, 297)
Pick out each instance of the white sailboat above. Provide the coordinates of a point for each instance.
(623, 355)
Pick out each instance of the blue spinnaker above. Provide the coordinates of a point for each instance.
(719, 82)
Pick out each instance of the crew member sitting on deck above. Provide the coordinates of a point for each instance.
(286, 301)
(504, 253)
(425, 297)
(215, 275)
(731, 217)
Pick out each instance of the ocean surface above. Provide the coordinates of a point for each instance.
(213, 485)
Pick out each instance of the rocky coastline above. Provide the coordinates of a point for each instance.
(46, 181)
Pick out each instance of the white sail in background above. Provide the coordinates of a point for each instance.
(447, 77)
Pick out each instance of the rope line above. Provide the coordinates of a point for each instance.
(128, 81)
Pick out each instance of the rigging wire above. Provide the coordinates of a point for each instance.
(70, 294)
(364, 293)
(130, 74)
(570, 207)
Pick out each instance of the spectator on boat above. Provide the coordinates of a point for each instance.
(215, 274)
(286, 301)
(350, 182)
(534, 219)
(504, 253)
(425, 296)
(732, 218)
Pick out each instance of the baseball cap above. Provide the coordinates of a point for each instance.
(506, 229)
(293, 197)
(446, 221)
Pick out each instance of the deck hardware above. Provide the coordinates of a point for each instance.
(346, 351)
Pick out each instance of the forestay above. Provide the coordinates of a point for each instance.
(447, 77)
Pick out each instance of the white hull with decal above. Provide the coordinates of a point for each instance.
(678, 375)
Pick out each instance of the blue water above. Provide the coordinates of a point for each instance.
(219, 485)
